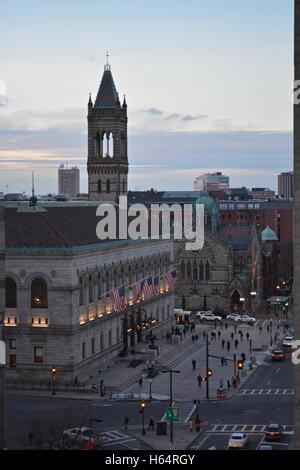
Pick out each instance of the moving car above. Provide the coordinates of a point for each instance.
(238, 440)
(246, 319)
(278, 355)
(273, 432)
(233, 316)
(83, 435)
(265, 447)
(288, 341)
(208, 316)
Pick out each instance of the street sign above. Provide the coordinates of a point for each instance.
(173, 414)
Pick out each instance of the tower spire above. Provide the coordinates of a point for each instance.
(107, 65)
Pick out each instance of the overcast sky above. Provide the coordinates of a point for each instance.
(208, 86)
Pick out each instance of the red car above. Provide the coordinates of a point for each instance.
(278, 355)
(273, 432)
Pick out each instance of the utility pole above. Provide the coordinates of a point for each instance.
(171, 372)
(207, 367)
(2, 344)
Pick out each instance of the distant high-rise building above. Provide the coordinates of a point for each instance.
(262, 194)
(286, 185)
(68, 181)
(211, 182)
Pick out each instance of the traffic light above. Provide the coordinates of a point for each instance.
(53, 370)
(240, 364)
(142, 406)
(209, 373)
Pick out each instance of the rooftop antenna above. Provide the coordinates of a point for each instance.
(107, 66)
(33, 199)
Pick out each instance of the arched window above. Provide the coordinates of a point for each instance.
(195, 271)
(91, 290)
(182, 269)
(99, 186)
(108, 186)
(39, 293)
(207, 271)
(201, 273)
(189, 270)
(81, 296)
(10, 293)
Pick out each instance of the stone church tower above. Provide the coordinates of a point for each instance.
(107, 142)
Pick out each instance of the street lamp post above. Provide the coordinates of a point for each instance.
(207, 367)
(150, 389)
(53, 370)
(171, 372)
(253, 294)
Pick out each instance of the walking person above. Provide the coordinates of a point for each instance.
(219, 334)
(194, 364)
(199, 380)
(228, 385)
(126, 421)
(241, 336)
(191, 425)
(151, 424)
(235, 329)
(260, 329)
(223, 343)
(204, 335)
(222, 361)
(236, 343)
(197, 423)
(228, 346)
(243, 356)
(247, 336)
(232, 335)
(193, 338)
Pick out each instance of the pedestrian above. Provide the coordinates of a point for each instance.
(243, 356)
(196, 338)
(197, 423)
(191, 425)
(226, 325)
(184, 331)
(126, 421)
(247, 336)
(193, 338)
(151, 424)
(219, 334)
(228, 346)
(236, 343)
(228, 385)
(235, 329)
(241, 335)
(194, 364)
(141, 382)
(232, 335)
(234, 382)
(199, 380)
(268, 328)
(275, 337)
(260, 329)
(223, 343)
(204, 335)
(215, 324)
(222, 361)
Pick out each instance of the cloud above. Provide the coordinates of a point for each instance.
(90, 58)
(154, 112)
(189, 117)
(173, 116)
(2, 93)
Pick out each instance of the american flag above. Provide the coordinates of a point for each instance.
(138, 289)
(156, 285)
(119, 299)
(148, 288)
(171, 279)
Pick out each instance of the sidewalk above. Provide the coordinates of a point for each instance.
(182, 438)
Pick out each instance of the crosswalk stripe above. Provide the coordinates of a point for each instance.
(266, 391)
(249, 428)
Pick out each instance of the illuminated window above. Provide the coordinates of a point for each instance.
(41, 322)
(10, 321)
(39, 293)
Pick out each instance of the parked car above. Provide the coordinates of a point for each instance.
(288, 341)
(246, 319)
(278, 355)
(233, 316)
(208, 316)
(273, 432)
(238, 440)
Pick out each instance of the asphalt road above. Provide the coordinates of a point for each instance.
(32, 414)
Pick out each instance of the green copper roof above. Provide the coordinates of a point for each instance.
(268, 235)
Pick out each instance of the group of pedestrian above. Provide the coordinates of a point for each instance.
(194, 425)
